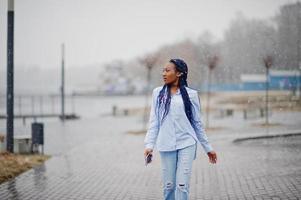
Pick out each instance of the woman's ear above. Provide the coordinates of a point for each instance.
(180, 74)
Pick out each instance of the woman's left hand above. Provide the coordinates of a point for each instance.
(212, 157)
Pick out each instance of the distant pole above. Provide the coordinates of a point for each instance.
(149, 69)
(299, 82)
(212, 62)
(63, 83)
(149, 62)
(268, 63)
(299, 47)
(10, 78)
(208, 99)
(73, 105)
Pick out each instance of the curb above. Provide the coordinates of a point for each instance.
(267, 136)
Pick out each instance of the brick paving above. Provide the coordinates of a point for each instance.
(110, 165)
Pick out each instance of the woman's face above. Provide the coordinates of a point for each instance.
(170, 74)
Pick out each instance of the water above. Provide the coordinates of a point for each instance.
(95, 117)
(84, 106)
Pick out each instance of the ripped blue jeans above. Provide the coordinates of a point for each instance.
(176, 172)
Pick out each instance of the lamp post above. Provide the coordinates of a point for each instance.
(212, 62)
(149, 62)
(268, 64)
(62, 117)
(10, 78)
(299, 47)
(299, 82)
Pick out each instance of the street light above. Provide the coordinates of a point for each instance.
(212, 62)
(268, 64)
(299, 82)
(62, 89)
(149, 62)
(299, 46)
(10, 78)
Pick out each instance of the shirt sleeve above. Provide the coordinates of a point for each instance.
(153, 129)
(199, 128)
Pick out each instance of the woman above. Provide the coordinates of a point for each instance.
(175, 127)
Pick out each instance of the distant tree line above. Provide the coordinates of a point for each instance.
(244, 45)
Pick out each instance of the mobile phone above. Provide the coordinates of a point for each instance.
(148, 158)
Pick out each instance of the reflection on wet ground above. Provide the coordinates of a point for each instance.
(94, 158)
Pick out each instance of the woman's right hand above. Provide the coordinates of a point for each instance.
(147, 151)
(212, 157)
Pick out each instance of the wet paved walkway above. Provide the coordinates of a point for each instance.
(110, 165)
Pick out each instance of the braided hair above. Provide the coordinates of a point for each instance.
(164, 96)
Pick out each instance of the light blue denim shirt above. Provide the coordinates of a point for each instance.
(176, 131)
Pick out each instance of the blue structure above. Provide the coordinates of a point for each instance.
(285, 80)
(278, 80)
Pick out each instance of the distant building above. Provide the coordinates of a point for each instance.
(253, 81)
(115, 81)
(284, 79)
(278, 80)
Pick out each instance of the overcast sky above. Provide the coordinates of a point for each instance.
(98, 31)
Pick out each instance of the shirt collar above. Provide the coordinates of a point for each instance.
(178, 92)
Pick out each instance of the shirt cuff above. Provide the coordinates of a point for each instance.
(207, 147)
(149, 146)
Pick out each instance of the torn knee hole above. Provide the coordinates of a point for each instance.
(183, 186)
(169, 185)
